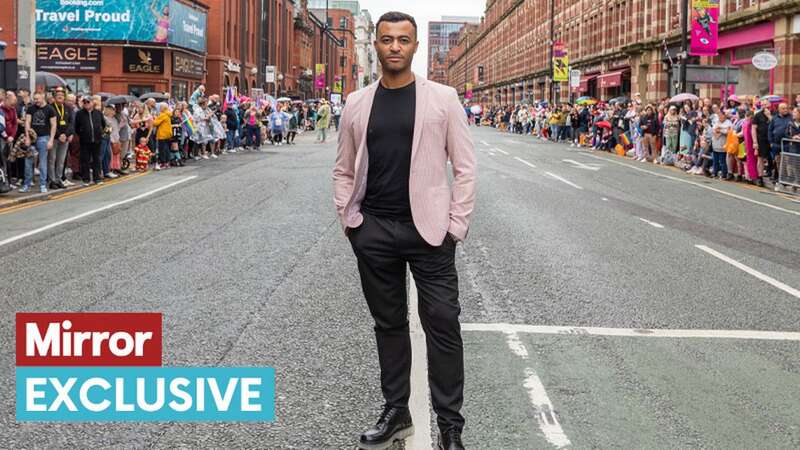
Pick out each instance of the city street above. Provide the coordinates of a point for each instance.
(606, 303)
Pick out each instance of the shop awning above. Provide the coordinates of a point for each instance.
(611, 79)
(584, 86)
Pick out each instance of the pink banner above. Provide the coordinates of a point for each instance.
(705, 27)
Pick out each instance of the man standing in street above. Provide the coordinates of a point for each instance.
(41, 118)
(57, 157)
(89, 125)
(323, 121)
(396, 207)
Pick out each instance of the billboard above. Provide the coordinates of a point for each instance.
(154, 21)
(560, 62)
(187, 27)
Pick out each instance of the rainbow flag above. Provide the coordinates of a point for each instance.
(625, 139)
(188, 124)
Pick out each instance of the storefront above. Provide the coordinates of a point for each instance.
(737, 48)
(139, 54)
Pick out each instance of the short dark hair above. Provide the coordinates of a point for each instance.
(394, 17)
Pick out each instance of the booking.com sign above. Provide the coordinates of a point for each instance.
(100, 367)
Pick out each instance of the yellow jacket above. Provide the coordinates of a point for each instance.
(163, 125)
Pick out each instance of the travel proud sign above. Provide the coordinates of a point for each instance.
(100, 367)
(103, 20)
(560, 62)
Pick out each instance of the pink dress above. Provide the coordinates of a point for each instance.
(751, 165)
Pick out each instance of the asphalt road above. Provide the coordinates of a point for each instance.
(606, 303)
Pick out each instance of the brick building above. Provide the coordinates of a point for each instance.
(161, 49)
(442, 36)
(313, 43)
(621, 47)
(341, 22)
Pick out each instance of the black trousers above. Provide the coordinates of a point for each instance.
(383, 247)
(90, 158)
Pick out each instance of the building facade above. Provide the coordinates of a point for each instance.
(442, 36)
(156, 49)
(341, 22)
(621, 47)
(366, 56)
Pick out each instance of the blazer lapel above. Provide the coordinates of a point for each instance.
(421, 109)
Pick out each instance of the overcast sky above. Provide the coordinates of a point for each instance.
(423, 12)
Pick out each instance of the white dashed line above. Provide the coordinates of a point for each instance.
(546, 416)
(563, 180)
(719, 191)
(765, 278)
(631, 332)
(605, 199)
(657, 225)
(485, 143)
(94, 211)
(418, 404)
(501, 151)
(525, 162)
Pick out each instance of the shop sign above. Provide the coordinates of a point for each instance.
(619, 63)
(142, 60)
(231, 66)
(701, 74)
(187, 66)
(67, 58)
(765, 60)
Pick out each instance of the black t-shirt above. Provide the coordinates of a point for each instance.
(761, 121)
(40, 119)
(390, 135)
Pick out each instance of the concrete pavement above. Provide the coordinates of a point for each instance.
(247, 261)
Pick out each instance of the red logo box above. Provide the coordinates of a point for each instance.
(89, 339)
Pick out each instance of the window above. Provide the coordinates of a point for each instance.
(343, 22)
(343, 61)
(139, 90)
(79, 85)
(180, 90)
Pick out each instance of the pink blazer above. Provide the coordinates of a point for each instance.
(440, 133)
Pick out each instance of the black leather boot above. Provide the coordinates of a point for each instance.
(450, 440)
(393, 425)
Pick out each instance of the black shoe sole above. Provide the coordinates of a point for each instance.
(399, 435)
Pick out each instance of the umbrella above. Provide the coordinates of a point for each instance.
(619, 100)
(105, 95)
(284, 99)
(476, 109)
(157, 96)
(49, 80)
(772, 99)
(586, 101)
(121, 100)
(680, 98)
(603, 124)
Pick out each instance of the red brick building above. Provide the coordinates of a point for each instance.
(114, 66)
(619, 47)
(310, 38)
(342, 24)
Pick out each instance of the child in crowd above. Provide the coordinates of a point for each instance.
(177, 137)
(143, 154)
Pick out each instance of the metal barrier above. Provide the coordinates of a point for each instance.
(789, 170)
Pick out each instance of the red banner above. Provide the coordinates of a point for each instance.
(88, 339)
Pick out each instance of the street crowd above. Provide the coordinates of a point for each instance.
(741, 139)
(63, 139)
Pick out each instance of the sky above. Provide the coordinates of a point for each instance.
(423, 12)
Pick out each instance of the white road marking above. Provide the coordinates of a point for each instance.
(492, 154)
(719, 191)
(516, 346)
(485, 143)
(632, 332)
(581, 165)
(418, 404)
(657, 225)
(525, 162)
(605, 199)
(94, 211)
(563, 180)
(545, 413)
(546, 416)
(765, 278)
(501, 151)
